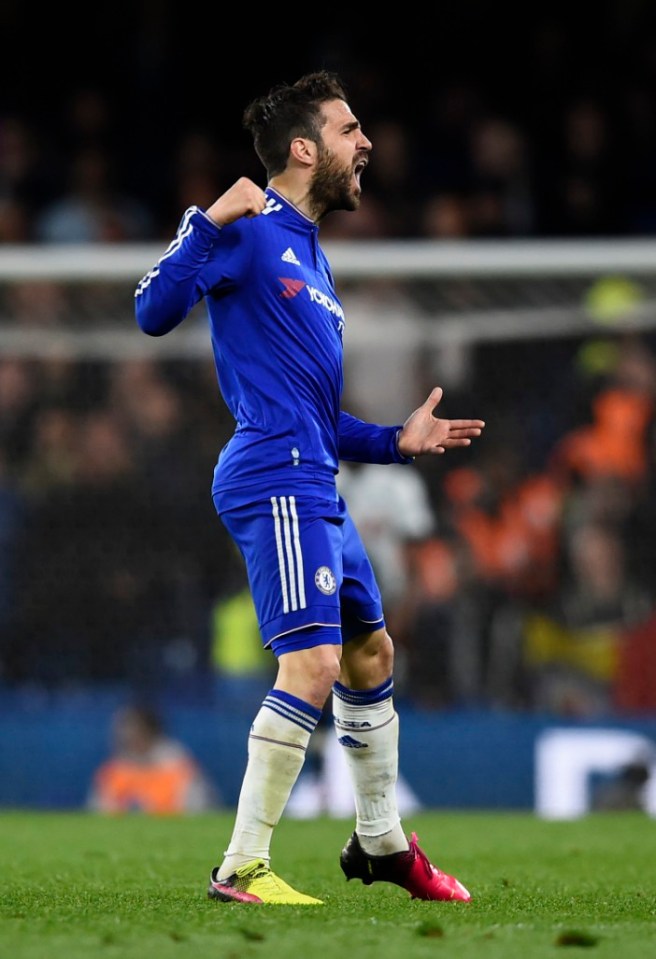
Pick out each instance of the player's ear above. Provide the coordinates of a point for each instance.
(303, 151)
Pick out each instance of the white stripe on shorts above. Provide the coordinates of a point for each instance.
(298, 552)
(281, 557)
(290, 555)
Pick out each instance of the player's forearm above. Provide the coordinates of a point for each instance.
(167, 293)
(361, 442)
(164, 303)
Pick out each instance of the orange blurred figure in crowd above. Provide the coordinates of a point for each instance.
(148, 772)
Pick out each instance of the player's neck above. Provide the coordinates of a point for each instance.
(296, 191)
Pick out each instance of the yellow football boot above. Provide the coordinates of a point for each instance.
(254, 882)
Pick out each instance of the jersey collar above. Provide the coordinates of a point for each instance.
(291, 208)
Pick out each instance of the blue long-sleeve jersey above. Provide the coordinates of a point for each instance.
(276, 329)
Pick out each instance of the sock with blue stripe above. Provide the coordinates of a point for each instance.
(276, 752)
(367, 727)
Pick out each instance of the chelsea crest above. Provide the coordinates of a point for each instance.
(324, 579)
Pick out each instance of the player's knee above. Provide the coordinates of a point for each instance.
(328, 669)
(310, 673)
(368, 660)
(385, 654)
(377, 645)
(382, 654)
(322, 666)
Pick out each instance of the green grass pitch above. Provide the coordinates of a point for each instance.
(75, 886)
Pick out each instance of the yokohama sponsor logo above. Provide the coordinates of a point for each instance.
(292, 287)
(326, 301)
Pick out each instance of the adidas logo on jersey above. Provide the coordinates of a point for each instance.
(290, 257)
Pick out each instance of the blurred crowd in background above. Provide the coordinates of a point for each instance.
(547, 127)
(517, 576)
(511, 580)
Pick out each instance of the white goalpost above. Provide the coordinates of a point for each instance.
(468, 291)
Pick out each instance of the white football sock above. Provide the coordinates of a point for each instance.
(367, 727)
(276, 752)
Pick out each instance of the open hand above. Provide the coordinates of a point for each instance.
(423, 432)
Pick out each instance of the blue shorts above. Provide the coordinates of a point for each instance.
(310, 577)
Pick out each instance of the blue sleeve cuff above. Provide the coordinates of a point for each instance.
(203, 225)
(208, 219)
(400, 458)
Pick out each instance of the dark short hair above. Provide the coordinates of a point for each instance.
(288, 111)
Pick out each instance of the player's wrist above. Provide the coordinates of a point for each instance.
(210, 219)
(404, 456)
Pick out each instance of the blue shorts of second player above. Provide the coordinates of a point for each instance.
(310, 577)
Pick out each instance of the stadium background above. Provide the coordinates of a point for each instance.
(527, 595)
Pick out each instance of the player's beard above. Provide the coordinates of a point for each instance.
(331, 187)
